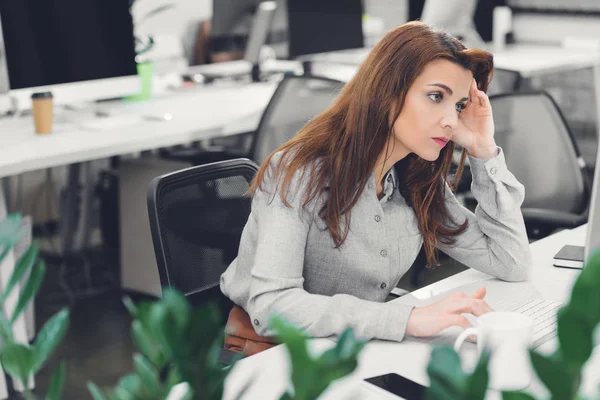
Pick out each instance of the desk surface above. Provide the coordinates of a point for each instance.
(198, 114)
(527, 59)
(270, 371)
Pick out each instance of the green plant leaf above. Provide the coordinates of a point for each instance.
(478, 381)
(585, 296)
(50, 337)
(95, 391)
(30, 289)
(18, 360)
(130, 306)
(6, 332)
(57, 382)
(147, 373)
(146, 345)
(128, 387)
(10, 230)
(447, 380)
(575, 338)
(517, 396)
(555, 375)
(24, 264)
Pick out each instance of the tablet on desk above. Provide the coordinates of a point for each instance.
(398, 385)
(570, 257)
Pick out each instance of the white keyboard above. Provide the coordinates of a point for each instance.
(543, 313)
(502, 296)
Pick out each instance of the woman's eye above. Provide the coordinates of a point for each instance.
(460, 107)
(436, 97)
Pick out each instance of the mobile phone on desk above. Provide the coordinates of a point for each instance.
(399, 385)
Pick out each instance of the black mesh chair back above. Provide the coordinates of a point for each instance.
(196, 217)
(541, 152)
(296, 101)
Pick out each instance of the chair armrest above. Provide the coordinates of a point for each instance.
(554, 218)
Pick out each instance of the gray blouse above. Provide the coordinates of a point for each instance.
(287, 263)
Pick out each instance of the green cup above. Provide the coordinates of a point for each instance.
(145, 71)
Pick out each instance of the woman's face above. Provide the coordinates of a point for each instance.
(431, 109)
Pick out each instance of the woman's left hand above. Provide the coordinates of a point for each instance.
(475, 129)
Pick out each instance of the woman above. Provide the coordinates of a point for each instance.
(340, 212)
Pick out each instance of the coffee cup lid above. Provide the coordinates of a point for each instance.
(42, 95)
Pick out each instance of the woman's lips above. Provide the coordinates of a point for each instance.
(441, 141)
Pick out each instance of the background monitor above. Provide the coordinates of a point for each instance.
(233, 21)
(455, 17)
(81, 50)
(318, 26)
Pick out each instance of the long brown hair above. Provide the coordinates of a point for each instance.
(358, 125)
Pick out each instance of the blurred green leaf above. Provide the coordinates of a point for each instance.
(575, 338)
(478, 381)
(95, 391)
(147, 373)
(178, 306)
(555, 375)
(6, 332)
(29, 290)
(50, 337)
(24, 264)
(57, 382)
(128, 387)
(130, 306)
(10, 231)
(18, 360)
(517, 396)
(585, 296)
(447, 380)
(148, 347)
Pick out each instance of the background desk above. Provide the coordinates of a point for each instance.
(270, 370)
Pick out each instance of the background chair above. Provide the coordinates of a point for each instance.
(297, 100)
(196, 218)
(542, 153)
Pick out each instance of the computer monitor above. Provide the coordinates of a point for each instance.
(319, 26)
(235, 29)
(80, 50)
(455, 17)
(593, 229)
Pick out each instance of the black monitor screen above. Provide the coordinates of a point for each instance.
(49, 42)
(317, 26)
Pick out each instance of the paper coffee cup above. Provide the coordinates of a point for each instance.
(42, 112)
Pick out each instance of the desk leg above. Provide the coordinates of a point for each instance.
(19, 330)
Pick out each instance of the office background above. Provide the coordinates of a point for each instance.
(107, 342)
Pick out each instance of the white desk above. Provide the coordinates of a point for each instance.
(199, 113)
(527, 59)
(270, 371)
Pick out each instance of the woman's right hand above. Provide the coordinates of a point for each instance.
(434, 318)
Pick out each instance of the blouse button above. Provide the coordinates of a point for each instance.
(377, 218)
(383, 253)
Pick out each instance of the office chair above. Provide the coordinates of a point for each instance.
(196, 219)
(542, 154)
(296, 101)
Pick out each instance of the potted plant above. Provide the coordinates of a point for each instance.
(23, 360)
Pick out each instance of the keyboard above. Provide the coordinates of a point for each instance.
(503, 296)
(543, 313)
